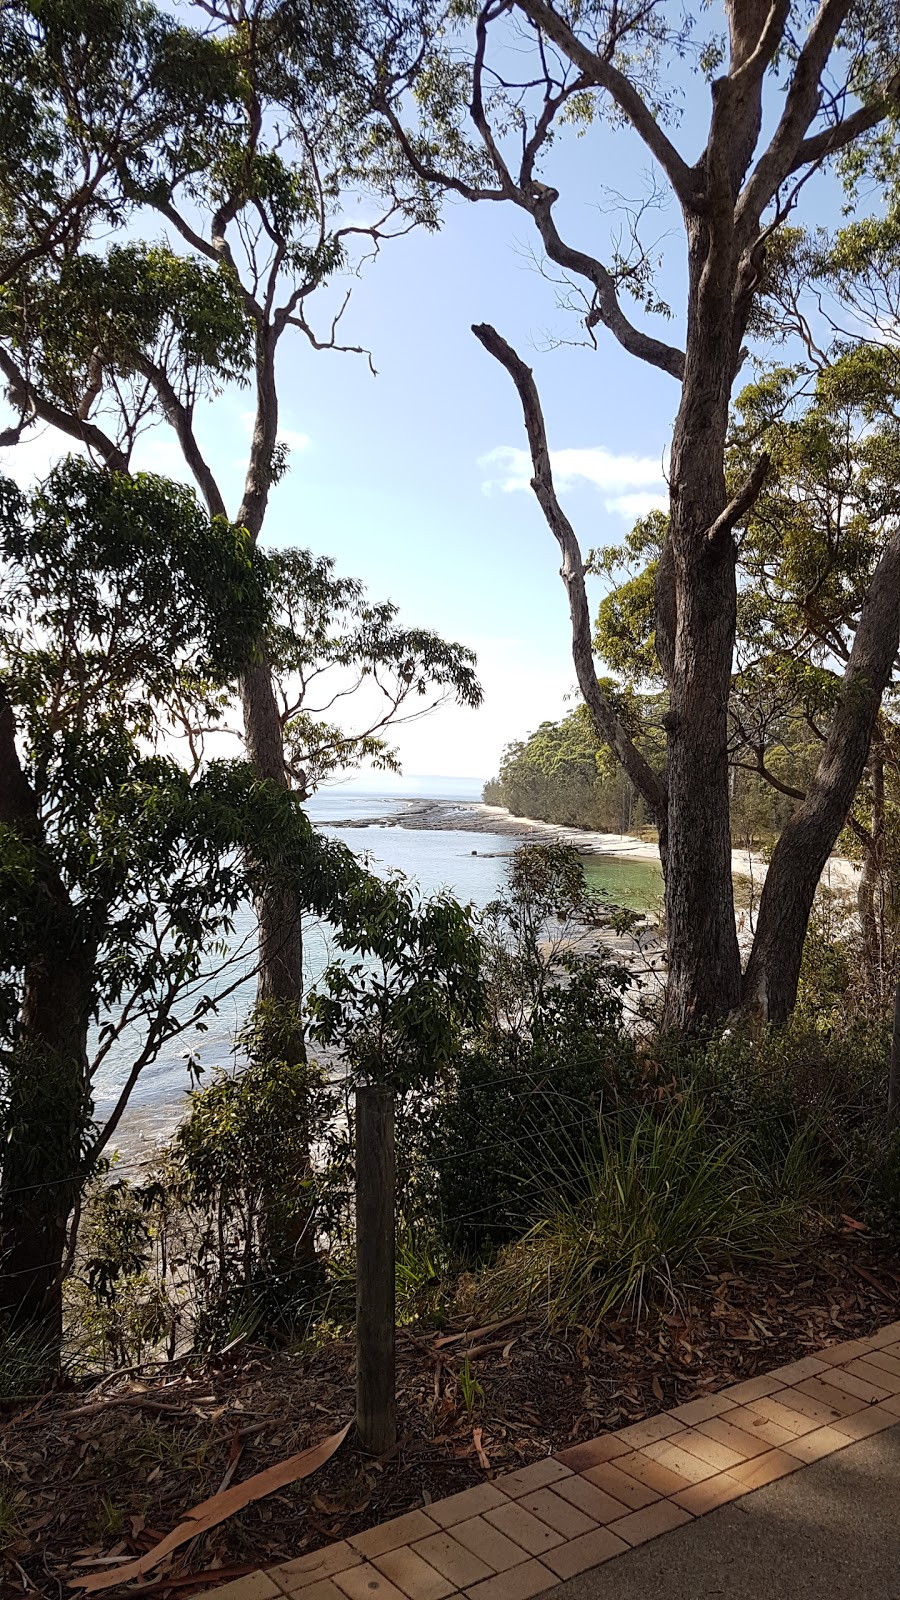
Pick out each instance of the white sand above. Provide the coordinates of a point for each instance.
(840, 875)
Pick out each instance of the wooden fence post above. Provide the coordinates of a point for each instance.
(893, 1106)
(376, 1407)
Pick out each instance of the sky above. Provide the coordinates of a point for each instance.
(416, 481)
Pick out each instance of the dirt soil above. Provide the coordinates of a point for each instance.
(102, 1471)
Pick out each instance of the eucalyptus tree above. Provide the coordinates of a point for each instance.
(790, 88)
(123, 608)
(119, 869)
(252, 212)
(75, 100)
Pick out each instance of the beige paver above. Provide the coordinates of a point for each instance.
(593, 1452)
(317, 1564)
(883, 1361)
(537, 1476)
(807, 1367)
(749, 1420)
(655, 1474)
(668, 1453)
(818, 1410)
(753, 1389)
(778, 1409)
(873, 1419)
(892, 1403)
(861, 1388)
(417, 1578)
(709, 1495)
(837, 1354)
(452, 1559)
(882, 1377)
(596, 1503)
(255, 1586)
(322, 1589)
(524, 1528)
(833, 1394)
(887, 1335)
(703, 1408)
(468, 1503)
(519, 1583)
(724, 1430)
(823, 1442)
(650, 1431)
(652, 1521)
(390, 1535)
(579, 1555)
(367, 1583)
(558, 1513)
(765, 1469)
(489, 1544)
(621, 1486)
(716, 1455)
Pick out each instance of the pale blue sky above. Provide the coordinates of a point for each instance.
(389, 476)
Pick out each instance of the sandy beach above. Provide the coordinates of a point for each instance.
(475, 816)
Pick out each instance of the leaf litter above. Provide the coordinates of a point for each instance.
(98, 1475)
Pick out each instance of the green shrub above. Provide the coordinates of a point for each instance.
(27, 1361)
(518, 1107)
(667, 1199)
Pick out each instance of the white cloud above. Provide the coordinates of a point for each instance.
(631, 485)
(638, 504)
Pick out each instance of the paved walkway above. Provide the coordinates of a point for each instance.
(800, 1468)
(829, 1533)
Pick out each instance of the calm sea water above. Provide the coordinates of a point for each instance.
(471, 865)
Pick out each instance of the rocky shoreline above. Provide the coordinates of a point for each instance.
(474, 816)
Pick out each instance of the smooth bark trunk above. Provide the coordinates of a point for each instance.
(278, 908)
(870, 920)
(806, 842)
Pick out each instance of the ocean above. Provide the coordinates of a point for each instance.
(471, 864)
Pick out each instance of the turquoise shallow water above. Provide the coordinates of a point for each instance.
(471, 865)
(636, 884)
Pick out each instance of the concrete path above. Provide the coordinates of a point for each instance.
(831, 1532)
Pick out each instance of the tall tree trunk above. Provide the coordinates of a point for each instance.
(48, 1110)
(696, 644)
(807, 840)
(870, 922)
(48, 1118)
(278, 909)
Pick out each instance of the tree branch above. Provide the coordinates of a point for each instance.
(780, 157)
(26, 398)
(607, 725)
(741, 502)
(606, 305)
(178, 417)
(596, 70)
(827, 143)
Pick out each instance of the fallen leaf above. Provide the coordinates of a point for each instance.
(210, 1512)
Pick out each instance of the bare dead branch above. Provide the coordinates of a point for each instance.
(606, 723)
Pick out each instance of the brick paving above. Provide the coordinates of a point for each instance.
(574, 1511)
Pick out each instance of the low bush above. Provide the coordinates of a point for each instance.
(666, 1199)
